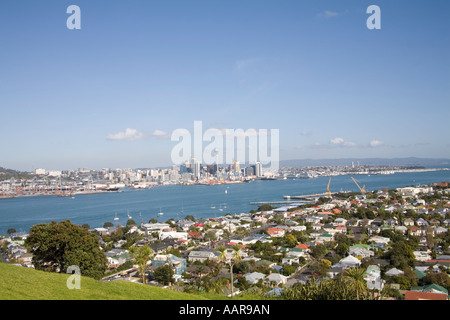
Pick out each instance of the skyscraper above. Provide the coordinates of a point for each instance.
(237, 167)
(195, 166)
(258, 169)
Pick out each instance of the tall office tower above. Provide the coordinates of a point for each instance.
(237, 167)
(249, 171)
(258, 169)
(195, 166)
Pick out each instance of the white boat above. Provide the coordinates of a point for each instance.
(116, 218)
(160, 213)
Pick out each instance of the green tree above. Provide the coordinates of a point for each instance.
(318, 251)
(141, 256)
(401, 255)
(108, 225)
(265, 207)
(164, 274)
(11, 230)
(131, 222)
(56, 246)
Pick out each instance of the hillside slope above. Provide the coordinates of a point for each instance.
(20, 283)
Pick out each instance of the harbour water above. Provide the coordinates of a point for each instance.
(177, 201)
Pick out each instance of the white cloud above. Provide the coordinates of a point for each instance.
(305, 133)
(342, 143)
(129, 134)
(376, 143)
(337, 141)
(328, 14)
(161, 134)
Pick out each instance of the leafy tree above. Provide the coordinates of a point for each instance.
(141, 256)
(287, 270)
(108, 225)
(131, 222)
(330, 289)
(440, 278)
(265, 207)
(11, 230)
(164, 274)
(190, 217)
(401, 255)
(318, 251)
(86, 226)
(342, 249)
(56, 246)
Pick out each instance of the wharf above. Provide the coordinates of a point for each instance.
(309, 196)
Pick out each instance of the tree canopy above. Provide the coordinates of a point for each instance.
(56, 246)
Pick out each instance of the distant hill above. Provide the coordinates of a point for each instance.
(6, 174)
(411, 161)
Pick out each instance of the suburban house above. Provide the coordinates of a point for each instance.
(361, 251)
(254, 277)
(373, 278)
(347, 262)
(275, 232)
(276, 278)
(394, 272)
(201, 256)
(177, 264)
(173, 235)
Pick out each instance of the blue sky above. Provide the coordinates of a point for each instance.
(311, 69)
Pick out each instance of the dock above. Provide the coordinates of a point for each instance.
(309, 196)
(280, 202)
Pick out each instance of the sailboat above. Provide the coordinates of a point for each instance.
(226, 191)
(160, 213)
(128, 214)
(116, 218)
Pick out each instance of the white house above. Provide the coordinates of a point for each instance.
(254, 277)
(173, 235)
(422, 256)
(373, 278)
(201, 256)
(362, 252)
(298, 228)
(348, 262)
(276, 278)
(394, 272)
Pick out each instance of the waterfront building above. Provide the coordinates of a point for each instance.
(258, 169)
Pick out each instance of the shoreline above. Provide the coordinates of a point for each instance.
(421, 170)
(57, 195)
(280, 202)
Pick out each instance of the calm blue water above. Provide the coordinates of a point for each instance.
(178, 201)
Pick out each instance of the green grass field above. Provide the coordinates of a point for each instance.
(20, 283)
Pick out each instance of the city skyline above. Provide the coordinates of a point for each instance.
(111, 93)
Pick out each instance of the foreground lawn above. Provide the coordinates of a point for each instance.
(19, 283)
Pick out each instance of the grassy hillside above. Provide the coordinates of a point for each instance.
(20, 283)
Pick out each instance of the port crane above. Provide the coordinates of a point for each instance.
(363, 190)
(328, 187)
